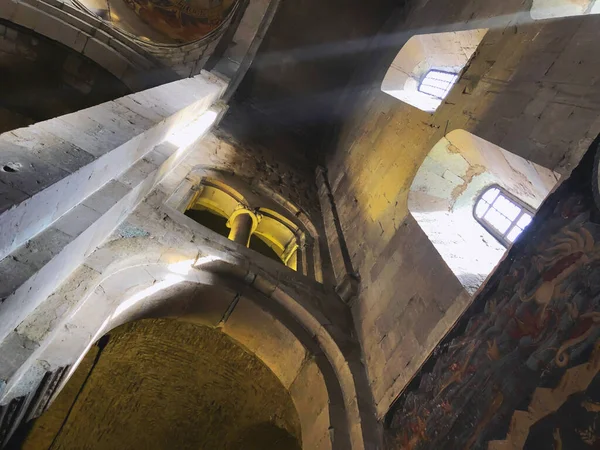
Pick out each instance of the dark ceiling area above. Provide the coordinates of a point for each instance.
(289, 96)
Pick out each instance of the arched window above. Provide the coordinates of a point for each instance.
(551, 9)
(502, 215)
(461, 198)
(438, 83)
(215, 204)
(429, 65)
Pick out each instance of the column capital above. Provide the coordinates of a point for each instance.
(242, 210)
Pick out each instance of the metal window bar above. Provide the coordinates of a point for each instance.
(438, 83)
(490, 215)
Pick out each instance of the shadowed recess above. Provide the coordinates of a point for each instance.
(164, 384)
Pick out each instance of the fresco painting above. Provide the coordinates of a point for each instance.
(182, 20)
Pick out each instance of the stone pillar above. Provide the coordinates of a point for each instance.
(109, 146)
(243, 223)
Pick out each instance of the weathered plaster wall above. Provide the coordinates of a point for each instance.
(531, 89)
(42, 79)
(446, 188)
(448, 52)
(162, 384)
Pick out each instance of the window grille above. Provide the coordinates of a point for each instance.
(438, 83)
(501, 214)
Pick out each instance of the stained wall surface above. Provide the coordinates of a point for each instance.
(447, 187)
(162, 384)
(531, 89)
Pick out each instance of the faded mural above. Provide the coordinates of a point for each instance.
(182, 20)
(521, 368)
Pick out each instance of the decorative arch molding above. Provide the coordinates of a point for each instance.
(145, 279)
(446, 188)
(186, 58)
(130, 22)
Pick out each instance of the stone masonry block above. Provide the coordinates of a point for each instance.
(107, 57)
(39, 250)
(103, 199)
(26, 15)
(77, 220)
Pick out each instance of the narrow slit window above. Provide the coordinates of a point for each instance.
(438, 83)
(503, 216)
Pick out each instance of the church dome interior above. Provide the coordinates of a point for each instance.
(163, 21)
(299, 225)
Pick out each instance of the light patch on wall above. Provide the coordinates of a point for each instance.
(182, 138)
(422, 62)
(449, 182)
(170, 280)
(549, 9)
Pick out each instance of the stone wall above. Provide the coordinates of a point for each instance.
(42, 79)
(136, 61)
(308, 54)
(101, 236)
(95, 170)
(81, 32)
(530, 89)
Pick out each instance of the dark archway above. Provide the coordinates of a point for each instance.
(42, 79)
(163, 384)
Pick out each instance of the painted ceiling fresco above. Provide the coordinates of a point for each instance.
(521, 370)
(182, 20)
(163, 21)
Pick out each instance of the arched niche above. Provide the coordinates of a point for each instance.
(457, 170)
(442, 52)
(550, 9)
(280, 231)
(194, 384)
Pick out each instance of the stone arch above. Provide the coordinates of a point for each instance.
(83, 34)
(309, 350)
(175, 375)
(155, 25)
(446, 187)
(31, 63)
(141, 63)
